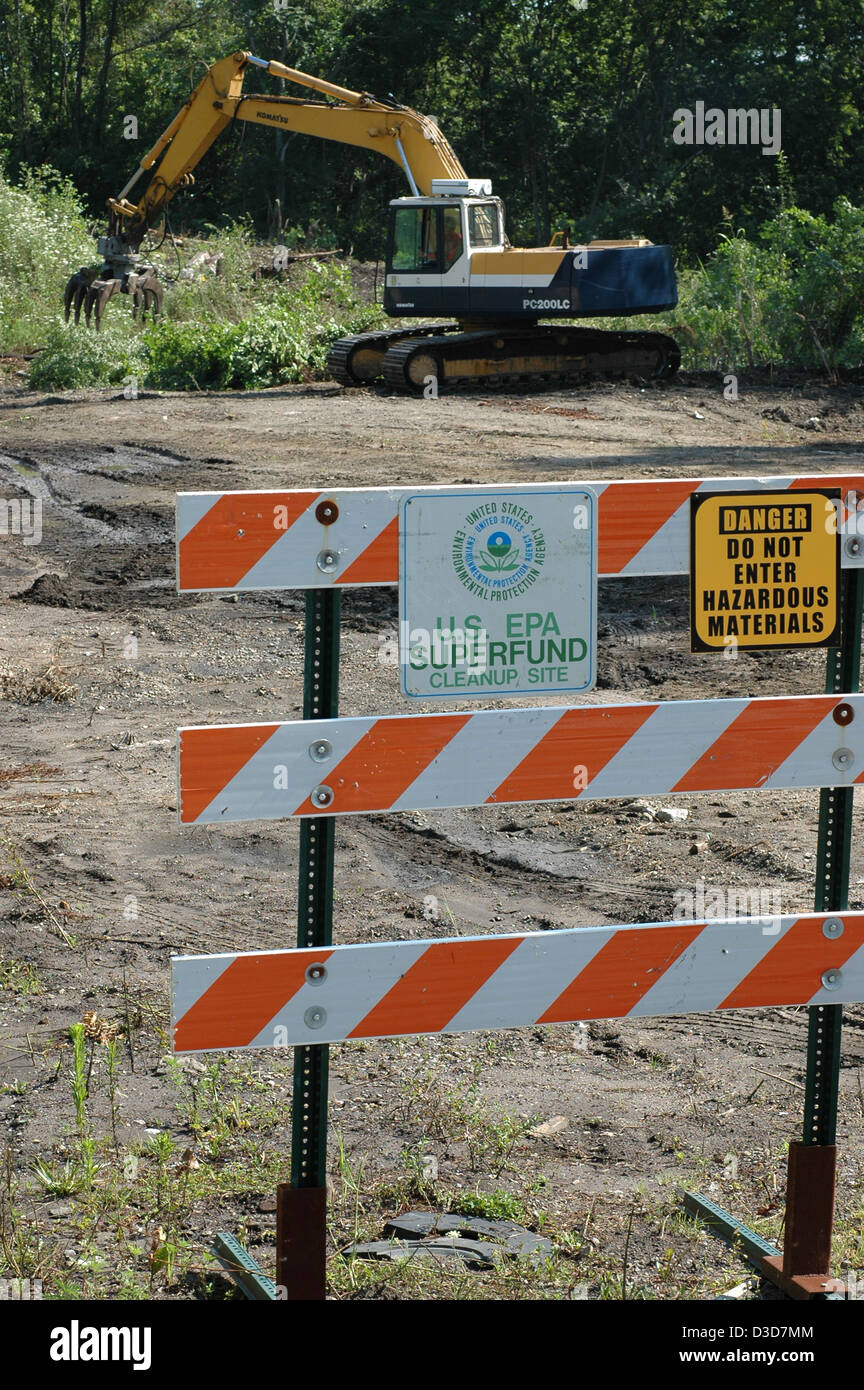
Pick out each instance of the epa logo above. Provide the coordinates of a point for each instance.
(499, 550)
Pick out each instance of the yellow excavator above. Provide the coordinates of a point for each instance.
(447, 251)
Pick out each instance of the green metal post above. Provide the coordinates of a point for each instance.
(843, 676)
(812, 1162)
(802, 1270)
(302, 1204)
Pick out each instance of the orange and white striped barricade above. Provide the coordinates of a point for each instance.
(349, 537)
(389, 989)
(323, 767)
(489, 757)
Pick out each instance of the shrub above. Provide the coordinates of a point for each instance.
(189, 356)
(270, 348)
(821, 284)
(283, 337)
(75, 357)
(794, 297)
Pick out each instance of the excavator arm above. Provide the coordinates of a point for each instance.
(411, 140)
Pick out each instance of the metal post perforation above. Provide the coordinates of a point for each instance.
(315, 892)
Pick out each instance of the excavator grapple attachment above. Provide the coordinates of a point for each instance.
(77, 289)
(90, 289)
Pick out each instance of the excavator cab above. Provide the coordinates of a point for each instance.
(429, 246)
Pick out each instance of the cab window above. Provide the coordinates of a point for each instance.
(483, 229)
(452, 236)
(415, 239)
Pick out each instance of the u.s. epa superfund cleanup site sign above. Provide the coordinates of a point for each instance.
(764, 569)
(498, 593)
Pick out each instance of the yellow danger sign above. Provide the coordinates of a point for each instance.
(764, 569)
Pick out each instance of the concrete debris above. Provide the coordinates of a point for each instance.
(549, 1127)
(477, 1241)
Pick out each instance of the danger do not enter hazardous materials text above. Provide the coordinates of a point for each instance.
(764, 569)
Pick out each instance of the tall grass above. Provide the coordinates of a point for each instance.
(43, 239)
(215, 335)
(72, 357)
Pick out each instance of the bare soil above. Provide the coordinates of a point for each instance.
(92, 853)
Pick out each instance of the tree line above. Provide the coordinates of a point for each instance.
(568, 105)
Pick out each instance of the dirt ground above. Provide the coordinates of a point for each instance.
(99, 885)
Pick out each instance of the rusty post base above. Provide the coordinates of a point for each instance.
(801, 1285)
(301, 1242)
(805, 1269)
(809, 1208)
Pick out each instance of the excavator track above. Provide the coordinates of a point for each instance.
(540, 352)
(359, 359)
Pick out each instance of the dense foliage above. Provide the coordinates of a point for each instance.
(218, 331)
(567, 104)
(43, 238)
(794, 294)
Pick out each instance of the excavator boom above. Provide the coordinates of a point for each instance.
(411, 140)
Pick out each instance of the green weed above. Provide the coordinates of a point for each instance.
(88, 1164)
(493, 1206)
(19, 976)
